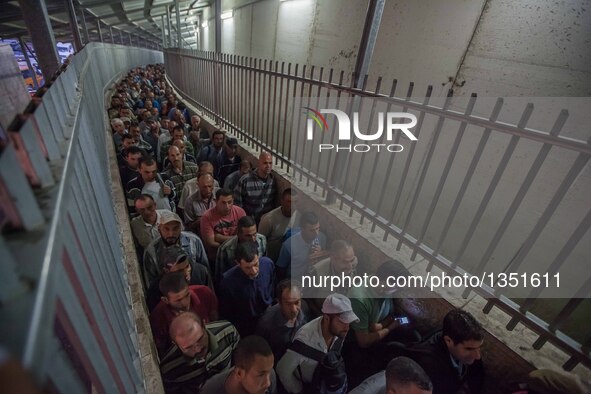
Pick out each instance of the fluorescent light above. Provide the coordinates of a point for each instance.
(205, 24)
(227, 14)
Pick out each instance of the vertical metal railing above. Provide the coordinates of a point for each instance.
(76, 329)
(436, 210)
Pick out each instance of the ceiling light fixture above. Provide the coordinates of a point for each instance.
(227, 14)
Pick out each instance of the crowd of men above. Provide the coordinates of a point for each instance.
(221, 252)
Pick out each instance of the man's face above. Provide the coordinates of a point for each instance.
(244, 170)
(148, 105)
(194, 345)
(170, 232)
(175, 156)
(247, 234)
(147, 210)
(290, 303)
(180, 301)
(195, 121)
(119, 128)
(218, 140)
(153, 125)
(288, 204)
(148, 173)
(133, 160)
(224, 205)
(171, 125)
(127, 142)
(165, 123)
(466, 352)
(344, 261)
(265, 165)
(310, 231)
(154, 111)
(257, 379)
(250, 268)
(135, 133)
(205, 185)
(337, 327)
(178, 135)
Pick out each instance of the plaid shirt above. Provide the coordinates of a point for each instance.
(256, 195)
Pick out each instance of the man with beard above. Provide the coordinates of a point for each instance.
(281, 322)
(178, 170)
(213, 151)
(199, 352)
(171, 234)
(325, 334)
(178, 297)
(256, 192)
(132, 156)
(199, 202)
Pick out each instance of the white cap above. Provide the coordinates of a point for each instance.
(338, 304)
(167, 216)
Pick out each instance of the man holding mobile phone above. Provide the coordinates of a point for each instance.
(382, 326)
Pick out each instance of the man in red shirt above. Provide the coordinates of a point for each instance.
(220, 223)
(179, 297)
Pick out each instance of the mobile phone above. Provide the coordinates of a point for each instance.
(402, 320)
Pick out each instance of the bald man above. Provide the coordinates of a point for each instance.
(199, 351)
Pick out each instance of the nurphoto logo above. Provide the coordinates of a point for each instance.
(392, 120)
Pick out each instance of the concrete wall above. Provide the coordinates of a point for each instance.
(320, 33)
(493, 47)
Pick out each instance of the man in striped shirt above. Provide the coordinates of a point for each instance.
(256, 191)
(199, 351)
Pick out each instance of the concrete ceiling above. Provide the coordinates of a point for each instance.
(139, 17)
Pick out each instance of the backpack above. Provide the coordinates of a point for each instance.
(329, 376)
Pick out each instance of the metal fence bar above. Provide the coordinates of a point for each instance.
(493, 184)
(580, 162)
(531, 175)
(443, 178)
(468, 177)
(408, 158)
(432, 145)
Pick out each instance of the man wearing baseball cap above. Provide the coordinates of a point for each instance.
(324, 334)
(171, 234)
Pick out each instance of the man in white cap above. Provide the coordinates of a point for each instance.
(324, 334)
(171, 234)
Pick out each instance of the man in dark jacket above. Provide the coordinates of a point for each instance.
(452, 358)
